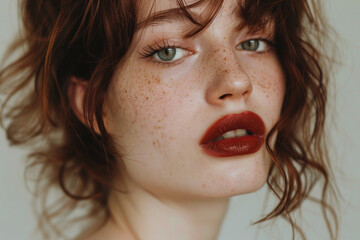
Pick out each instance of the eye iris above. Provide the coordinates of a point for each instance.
(167, 54)
(251, 45)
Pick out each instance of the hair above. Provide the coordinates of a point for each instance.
(88, 39)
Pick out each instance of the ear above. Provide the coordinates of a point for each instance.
(76, 90)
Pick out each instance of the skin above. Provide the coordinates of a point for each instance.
(157, 115)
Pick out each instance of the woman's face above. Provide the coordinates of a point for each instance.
(169, 91)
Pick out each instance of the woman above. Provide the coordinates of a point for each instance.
(150, 115)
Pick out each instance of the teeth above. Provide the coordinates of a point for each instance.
(234, 133)
(240, 132)
(230, 134)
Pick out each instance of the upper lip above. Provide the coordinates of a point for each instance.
(246, 120)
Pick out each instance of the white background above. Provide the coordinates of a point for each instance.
(17, 222)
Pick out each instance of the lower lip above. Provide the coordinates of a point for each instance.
(234, 146)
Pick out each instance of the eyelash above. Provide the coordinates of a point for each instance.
(148, 51)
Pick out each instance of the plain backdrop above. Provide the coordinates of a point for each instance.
(17, 221)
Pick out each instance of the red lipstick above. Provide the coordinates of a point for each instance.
(214, 144)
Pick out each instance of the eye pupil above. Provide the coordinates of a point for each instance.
(251, 45)
(167, 54)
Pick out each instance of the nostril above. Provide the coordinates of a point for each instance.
(225, 95)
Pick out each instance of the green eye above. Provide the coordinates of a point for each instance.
(166, 54)
(251, 45)
(254, 45)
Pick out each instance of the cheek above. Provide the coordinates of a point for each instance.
(268, 81)
(269, 77)
(147, 104)
(271, 82)
(149, 113)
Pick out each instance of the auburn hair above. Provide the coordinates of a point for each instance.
(88, 39)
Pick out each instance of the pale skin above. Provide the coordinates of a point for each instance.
(157, 114)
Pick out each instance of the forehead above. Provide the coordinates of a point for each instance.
(147, 7)
(195, 16)
(156, 12)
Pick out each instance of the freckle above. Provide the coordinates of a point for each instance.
(147, 98)
(149, 82)
(225, 58)
(163, 92)
(224, 50)
(157, 80)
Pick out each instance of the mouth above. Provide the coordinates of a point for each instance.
(234, 134)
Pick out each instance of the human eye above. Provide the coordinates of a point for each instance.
(255, 45)
(164, 52)
(169, 54)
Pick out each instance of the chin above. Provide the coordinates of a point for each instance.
(241, 176)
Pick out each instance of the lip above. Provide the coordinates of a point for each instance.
(238, 145)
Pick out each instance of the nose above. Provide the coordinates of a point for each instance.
(230, 83)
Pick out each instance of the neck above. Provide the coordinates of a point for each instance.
(139, 214)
